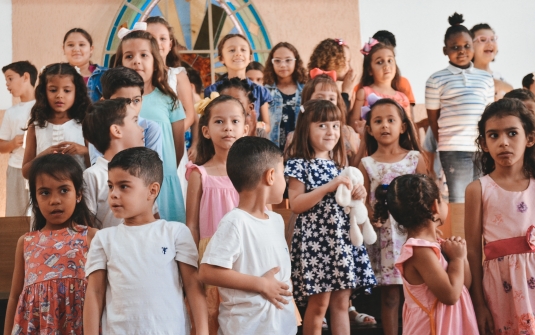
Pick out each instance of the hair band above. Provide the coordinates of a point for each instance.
(368, 46)
(317, 71)
(200, 106)
(302, 108)
(137, 26)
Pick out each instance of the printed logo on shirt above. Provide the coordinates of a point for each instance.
(164, 250)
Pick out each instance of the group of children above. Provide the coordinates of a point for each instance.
(200, 249)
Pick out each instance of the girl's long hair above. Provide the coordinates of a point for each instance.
(159, 77)
(367, 76)
(173, 57)
(42, 111)
(316, 111)
(408, 140)
(298, 76)
(59, 167)
(327, 83)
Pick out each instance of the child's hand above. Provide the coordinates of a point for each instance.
(340, 180)
(17, 141)
(349, 82)
(273, 290)
(360, 128)
(71, 148)
(454, 247)
(359, 192)
(485, 323)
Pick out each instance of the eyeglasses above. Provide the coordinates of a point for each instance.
(461, 47)
(280, 62)
(486, 39)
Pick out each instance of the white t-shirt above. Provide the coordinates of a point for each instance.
(144, 293)
(96, 193)
(251, 246)
(15, 119)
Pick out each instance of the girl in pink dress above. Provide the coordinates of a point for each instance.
(437, 301)
(499, 213)
(211, 194)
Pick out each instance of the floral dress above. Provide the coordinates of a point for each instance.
(52, 299)
(385, 251)
(323, 258)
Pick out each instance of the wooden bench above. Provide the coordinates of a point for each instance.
(11, 228)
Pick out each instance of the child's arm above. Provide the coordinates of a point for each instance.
(432, 117)
(90, 234)
(301, 201)
(264, 113)
(354, 116)
(7, 147)
(421, 167)
(183, 88)
(467, 274)
(193, 204)
(196, 298)
(178, 138)
(17, 284)
(367, 187)
(94, 301)
(474, 231)
(270, 288)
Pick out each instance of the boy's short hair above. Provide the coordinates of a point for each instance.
(254, 65)
(528, 80)
(194, 78)
(118, 77)
(248, 158)
(241, 84)
(99, 117)
(521, 94)
(23, 67)
(140, 162)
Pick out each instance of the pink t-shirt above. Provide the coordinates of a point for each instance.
(218, 198)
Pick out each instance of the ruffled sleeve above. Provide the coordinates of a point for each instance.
(296, 168)
(190, 167)
(407, 250)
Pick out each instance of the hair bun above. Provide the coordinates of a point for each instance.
(456, 19)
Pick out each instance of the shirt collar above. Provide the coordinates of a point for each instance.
(456, 70)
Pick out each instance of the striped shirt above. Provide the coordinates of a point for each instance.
(461, 95)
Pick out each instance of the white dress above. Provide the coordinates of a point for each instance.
(54, 134)
(172, 72)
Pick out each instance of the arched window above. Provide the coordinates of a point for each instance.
(198, 26)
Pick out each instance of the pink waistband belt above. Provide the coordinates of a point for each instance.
(511, 246)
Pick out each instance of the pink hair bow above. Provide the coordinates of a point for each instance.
(316, 72)
(364, 110)
(137, 26)
(340, 41)
(368, 46)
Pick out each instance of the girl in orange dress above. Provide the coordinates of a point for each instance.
(48, 288)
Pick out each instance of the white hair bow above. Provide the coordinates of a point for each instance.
(137, 26)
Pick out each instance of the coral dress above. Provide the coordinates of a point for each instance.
(52, 299)
(218, 198)
(399, 97)
(422, 309)
(509, 268)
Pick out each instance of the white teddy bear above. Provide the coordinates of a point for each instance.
(358, 213)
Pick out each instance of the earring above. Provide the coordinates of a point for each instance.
(77, 201)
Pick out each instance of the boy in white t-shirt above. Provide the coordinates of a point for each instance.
(20, 81)
(139, 270)
(111, 126)
(247, 258)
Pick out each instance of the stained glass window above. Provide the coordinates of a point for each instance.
(198, 26)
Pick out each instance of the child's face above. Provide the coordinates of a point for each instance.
(506, 140)
(324, 136)
(226, 125)
(56, 199)
(236, 54)
(15, 83)
(385, 124)
(128, 196)
(161, 34)
(459, 49)
(77, 49)
(60, 92)
(137, 56)
(131, 132)
(283, 63)
(256, 76)
(485, 51)
(321, 92)
(383, 66)
(250, 114)
(133, 93)
(341, 73)
(279, 184)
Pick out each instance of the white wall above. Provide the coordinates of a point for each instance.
(6, 46)
(420, 25)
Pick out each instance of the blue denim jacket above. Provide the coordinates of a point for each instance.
(275, 110)
(94, 87)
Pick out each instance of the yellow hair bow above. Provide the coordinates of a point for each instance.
(201, 105)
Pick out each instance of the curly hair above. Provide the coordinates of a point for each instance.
(42, 111)
(240, 84)
(409, 199)
(367, 76)
(159, 77)
(328, 55)
(173, 57)
(298, 76)
(500, 109)
(456, 27)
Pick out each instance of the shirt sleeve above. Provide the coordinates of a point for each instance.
(153, 135)
(263, 95)
(178, 113)
(432, 94)
(90, 192)
(5, 129)
(96, 257)
(296, 168)
(225, 246)
(210, 89)
(93, 153)
(186, 250)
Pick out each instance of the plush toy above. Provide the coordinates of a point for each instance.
(358, 213)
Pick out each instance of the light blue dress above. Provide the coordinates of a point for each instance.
(158, 107)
